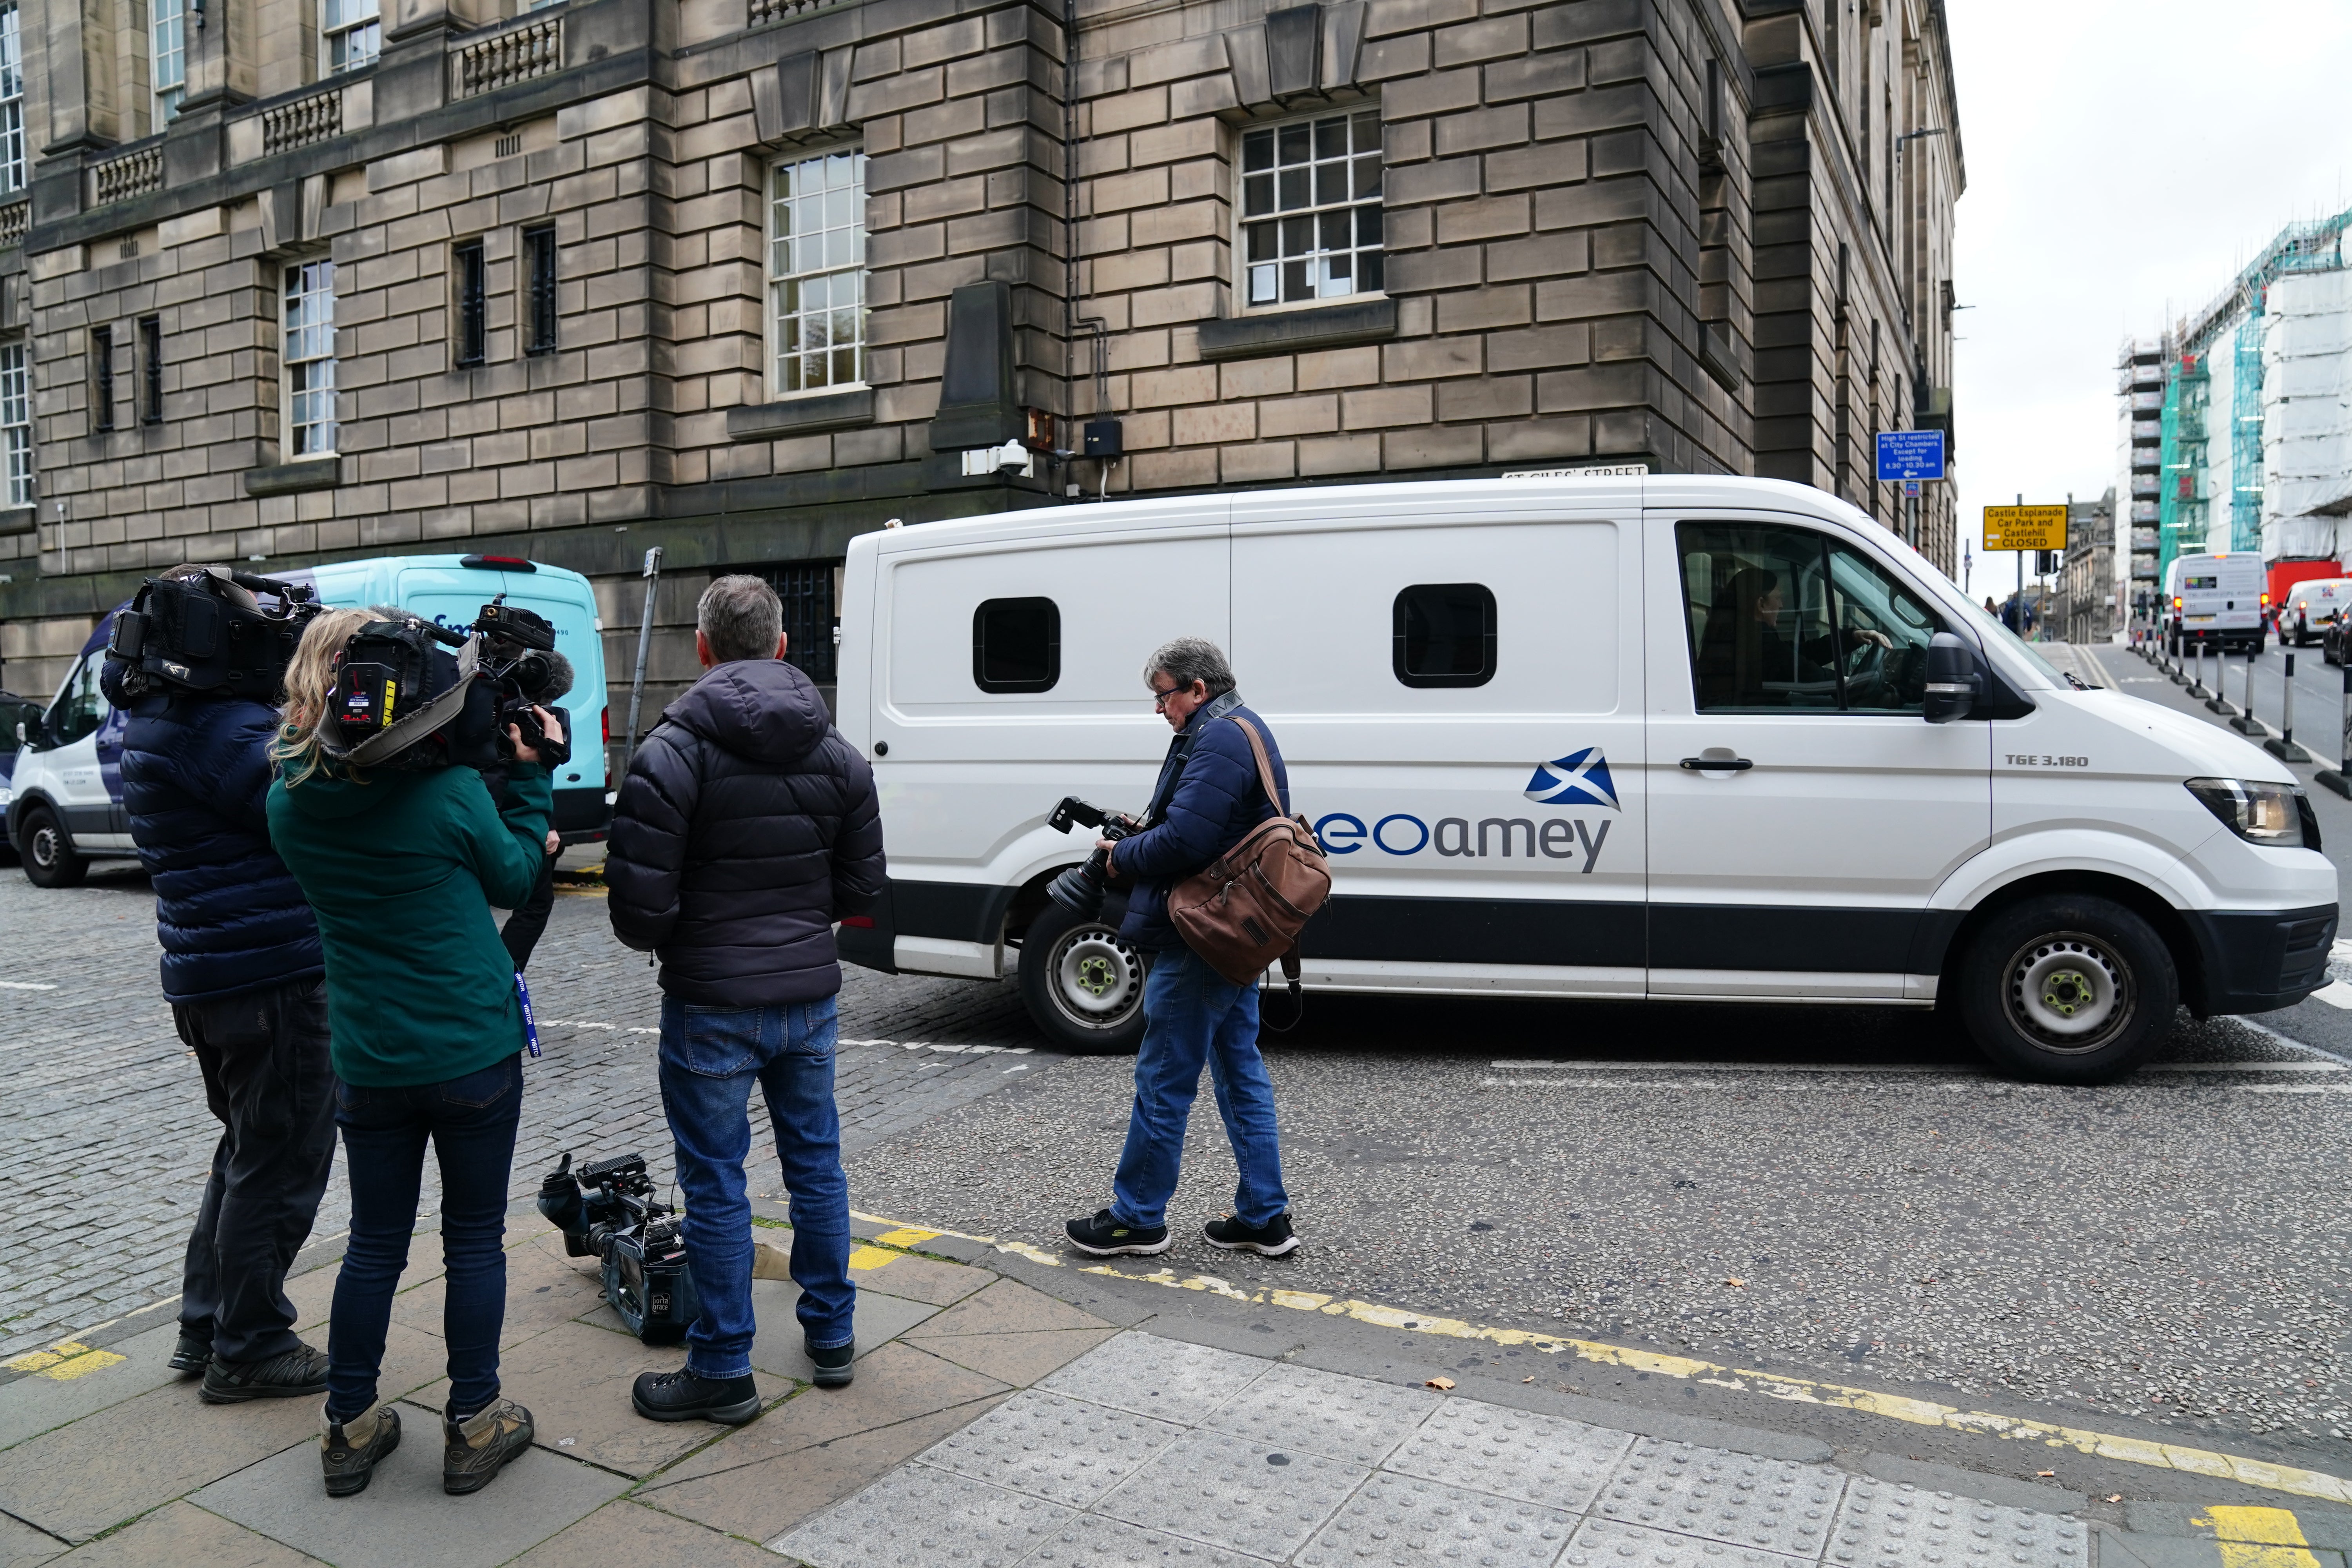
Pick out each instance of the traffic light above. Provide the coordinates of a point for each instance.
(2045, 562)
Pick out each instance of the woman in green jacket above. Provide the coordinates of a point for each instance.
(402, 870)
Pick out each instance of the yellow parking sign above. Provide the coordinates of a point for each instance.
(2025, 528)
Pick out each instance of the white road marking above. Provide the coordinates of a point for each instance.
(23, 985)
(1721, 1067)
(2242, 1067)
(2266, 1032)
(640, 1030)
(2335, 994)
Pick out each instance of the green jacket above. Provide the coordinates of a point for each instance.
(402, 871)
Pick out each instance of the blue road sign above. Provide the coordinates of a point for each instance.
(1910, 453)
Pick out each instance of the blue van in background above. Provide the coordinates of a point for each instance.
(65, 798)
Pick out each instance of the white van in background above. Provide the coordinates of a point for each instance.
(1673, 737)
(2218, 599)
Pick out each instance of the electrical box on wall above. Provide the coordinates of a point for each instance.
(1105, 438)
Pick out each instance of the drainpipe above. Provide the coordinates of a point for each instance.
(1072, 322)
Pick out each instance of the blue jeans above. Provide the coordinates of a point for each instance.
(471, 1120)
(1191, 1015)
(709, 1057)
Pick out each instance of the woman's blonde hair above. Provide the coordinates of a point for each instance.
(310, 690)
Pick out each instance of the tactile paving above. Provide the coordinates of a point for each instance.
(1398, 1521)
(1607, 1543)
(917, 1514)
(1540, 1459)
(1152, 1376)
(1050, 1445)
(1093, 1542)
(1230, 1492)
(1884, 1524)
(1300, 1407)
(1776, 1505)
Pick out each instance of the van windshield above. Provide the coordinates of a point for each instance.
(2015, 644)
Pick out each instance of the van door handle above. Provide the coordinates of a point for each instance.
(1712, 765)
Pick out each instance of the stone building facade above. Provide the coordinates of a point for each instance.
(292, 281)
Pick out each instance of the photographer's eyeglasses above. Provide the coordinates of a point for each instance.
(1160, 698)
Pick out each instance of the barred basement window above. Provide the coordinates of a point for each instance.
(309, 359)
(1311, 209)
(150, 369)
(539, 265)
(16, 423)
(811, 591)
(167, 58)
(351, 35)
(816, 271)
(12, 101)
(101, 378)
(473, 308)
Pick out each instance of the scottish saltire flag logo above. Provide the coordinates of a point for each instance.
(1580, 778)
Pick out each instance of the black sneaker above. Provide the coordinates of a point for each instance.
(478, 1447)
(191, 1355)
(835, 1364)
(1271, 1240)
(1103, 1236)
(300, 1371)
(681, 1396)
(349, 1450)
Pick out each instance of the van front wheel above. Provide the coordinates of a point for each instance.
(2067, 989)
(1083, 987)
(48, 854)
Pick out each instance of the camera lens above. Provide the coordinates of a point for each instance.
(1079, 890)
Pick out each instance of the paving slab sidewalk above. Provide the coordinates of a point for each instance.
(1055, 1418)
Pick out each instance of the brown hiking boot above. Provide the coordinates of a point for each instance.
(479, 1446)
(349, 1450)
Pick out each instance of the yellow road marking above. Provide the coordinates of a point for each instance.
(2257, 1537)
(2177, 1457)
(869, 1257)
(904, 1236)
(64, 1361)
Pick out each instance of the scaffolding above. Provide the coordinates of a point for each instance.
(2181, 517)
(2246, 436)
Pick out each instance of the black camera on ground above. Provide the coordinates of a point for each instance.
(1080, 890)
(607, 1210)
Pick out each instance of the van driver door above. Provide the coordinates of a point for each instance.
(1803, 812)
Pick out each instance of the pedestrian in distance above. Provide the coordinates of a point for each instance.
(402, 867)
(1207, 799)
(746, 827)
(243, 973)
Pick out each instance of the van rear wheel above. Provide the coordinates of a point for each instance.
(1083, 987)
(48, 854)
(2067, 988)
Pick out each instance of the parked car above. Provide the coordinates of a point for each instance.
(1671, 737)
(2312, 606)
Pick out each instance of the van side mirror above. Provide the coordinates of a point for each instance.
(1955, 678)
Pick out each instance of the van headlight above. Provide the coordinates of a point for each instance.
(2266, 813)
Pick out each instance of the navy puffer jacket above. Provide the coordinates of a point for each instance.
(746, 827)
(1207, 800)
(195, 779)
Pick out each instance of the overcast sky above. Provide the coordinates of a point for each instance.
(2124, 159)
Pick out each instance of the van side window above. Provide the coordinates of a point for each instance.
(80, 708)
(1783, 619)
(1016, 644)
(1442, 634)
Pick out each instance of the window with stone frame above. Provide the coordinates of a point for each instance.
(350, 34)
(1310, 218)
(307, 366)
(167, 57)
(16, 423)
(817, 272)
(12, 101)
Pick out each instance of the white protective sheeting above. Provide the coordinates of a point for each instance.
(2308, 416)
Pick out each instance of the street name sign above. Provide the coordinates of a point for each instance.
(1910, 453)
(2025, 528)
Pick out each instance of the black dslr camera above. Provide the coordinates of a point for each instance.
(1080, 890)
(608, 1210)
(520, 662)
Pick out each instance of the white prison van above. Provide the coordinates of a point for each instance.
(2222, 599)
(1667, 737)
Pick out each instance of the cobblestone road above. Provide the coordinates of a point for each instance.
(102, 1113)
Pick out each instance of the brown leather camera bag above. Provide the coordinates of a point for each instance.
(1246, 908)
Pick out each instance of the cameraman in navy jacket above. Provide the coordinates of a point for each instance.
(1206, 801)
(243, 973)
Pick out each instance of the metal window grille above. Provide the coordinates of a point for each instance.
(150, 369)
(810, 590)
(167, 57)
(12, 101)
(101, 388)
(350, 34)
(1311, 208)
(16, 423)
(309, 358)
(539, 256)
(472, 308)
(816, 271)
